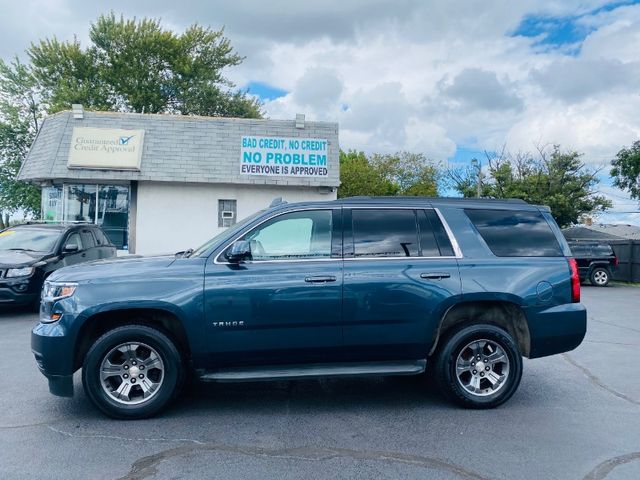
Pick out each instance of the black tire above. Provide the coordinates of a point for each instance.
(172, 373)
(445, 367)
(600, 277)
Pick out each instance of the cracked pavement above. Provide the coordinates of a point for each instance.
(575, 416)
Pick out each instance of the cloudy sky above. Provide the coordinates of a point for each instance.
(446, 78)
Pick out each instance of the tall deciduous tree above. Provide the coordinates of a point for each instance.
(403, 173)
(359, 177)
(412, 174)
(21, 114)
(626, 170)
(557, 178)
(137, 66)
(129, 66)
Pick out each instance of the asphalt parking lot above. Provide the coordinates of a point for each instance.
(575, 416)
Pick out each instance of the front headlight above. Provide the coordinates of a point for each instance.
(19, 272)
(52, 291)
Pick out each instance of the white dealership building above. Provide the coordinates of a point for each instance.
(162, 183)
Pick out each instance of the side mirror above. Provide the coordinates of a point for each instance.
(240, 251)
(70, 248)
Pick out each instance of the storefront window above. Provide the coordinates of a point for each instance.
(80, 203)
(113, 214)
(105, 205)
(52, 204)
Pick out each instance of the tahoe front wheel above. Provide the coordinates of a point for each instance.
(479, 366)
(132, 372)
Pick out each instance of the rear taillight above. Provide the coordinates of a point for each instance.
(615, 261)
(575, 281)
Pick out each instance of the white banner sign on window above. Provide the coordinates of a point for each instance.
(280, 156)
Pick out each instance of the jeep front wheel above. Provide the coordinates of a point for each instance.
(479, 366)
(132, 372)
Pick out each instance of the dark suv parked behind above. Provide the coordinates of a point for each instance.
(30, 253)
(360, 286)
(596, 262)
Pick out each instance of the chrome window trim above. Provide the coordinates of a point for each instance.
(454, 242)
(447, 229)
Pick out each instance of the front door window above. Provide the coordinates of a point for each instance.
(293, 236)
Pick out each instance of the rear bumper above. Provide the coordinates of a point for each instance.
(557, 329)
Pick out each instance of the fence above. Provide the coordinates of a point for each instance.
(628, 253)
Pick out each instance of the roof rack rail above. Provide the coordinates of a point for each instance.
(56, 222)
(277, 201)
(436, 199)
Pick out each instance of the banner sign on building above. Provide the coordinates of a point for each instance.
(108, 148)
(280, 156)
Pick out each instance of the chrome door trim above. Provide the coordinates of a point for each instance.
(452, 239)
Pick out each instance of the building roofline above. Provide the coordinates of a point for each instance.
(194, 117)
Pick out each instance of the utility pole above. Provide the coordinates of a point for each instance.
(478, 165)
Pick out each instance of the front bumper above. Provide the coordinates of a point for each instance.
(9, 296)
(21, 290)
(557, 329)
(53, 350)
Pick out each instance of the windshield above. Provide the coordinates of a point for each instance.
(39, 240)
(230, 231)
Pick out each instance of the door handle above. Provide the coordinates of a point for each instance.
(320, 279)
(435, 275)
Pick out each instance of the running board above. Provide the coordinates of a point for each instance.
(316, 370)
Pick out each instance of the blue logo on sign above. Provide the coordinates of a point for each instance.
(125, 140)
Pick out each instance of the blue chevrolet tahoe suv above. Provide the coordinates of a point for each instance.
(362, 286)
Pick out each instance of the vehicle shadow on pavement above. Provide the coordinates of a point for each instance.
(295, 396)
(330, 396)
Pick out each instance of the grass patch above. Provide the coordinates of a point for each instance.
(626, 284)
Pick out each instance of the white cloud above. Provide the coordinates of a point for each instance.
(319, 87)
(409, 74)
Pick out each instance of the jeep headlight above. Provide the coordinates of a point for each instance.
(53, 291)
(19, 272)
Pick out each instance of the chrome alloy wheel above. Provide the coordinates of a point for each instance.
(600, 277)
(482, 367)
(131, 373)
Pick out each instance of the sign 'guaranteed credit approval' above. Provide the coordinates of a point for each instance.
(280, 156)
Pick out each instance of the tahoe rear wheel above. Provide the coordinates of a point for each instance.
(479, 366)
(132, 372)
(599, 277)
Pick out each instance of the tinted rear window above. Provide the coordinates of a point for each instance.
(511, 233)
(580, 250)
(602, 250)
(385, 233)
(101, 239)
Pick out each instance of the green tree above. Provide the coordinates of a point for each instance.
(359, 177)
(403, 173)
(129, 66)
(558, 179)
(21, 114)
(137, 66)
(411, 173)
(626, 170)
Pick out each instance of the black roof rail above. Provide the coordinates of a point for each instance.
(277, 201)
(435, 199)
